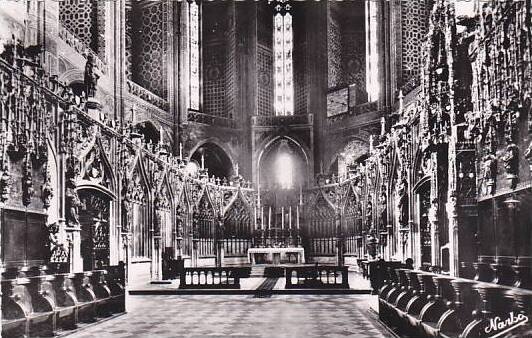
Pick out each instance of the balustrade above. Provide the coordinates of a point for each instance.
(210, 278)
(299, 277)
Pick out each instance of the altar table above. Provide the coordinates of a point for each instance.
(275, 255)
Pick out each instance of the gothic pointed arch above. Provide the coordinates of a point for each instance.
(204, 218)
(139, 195)
(321, 229)
(352, 218)
(238, 226)
(164, 225)
(184, 222)
(96, 171)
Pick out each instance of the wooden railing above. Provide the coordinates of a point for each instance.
(316, 277)
(422, 304)
(39, 303)
(210, 278)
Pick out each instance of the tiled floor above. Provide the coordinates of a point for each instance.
(241, 316)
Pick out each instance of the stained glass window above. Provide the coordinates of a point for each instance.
(194, 72)
(283, 69)
(372, 72)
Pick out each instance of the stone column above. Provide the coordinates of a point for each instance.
(452, 214)
(434, 234)
(512, 205)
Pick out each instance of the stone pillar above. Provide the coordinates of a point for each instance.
(512, 205)
(452, 214)
(434, 234)
(157, 263)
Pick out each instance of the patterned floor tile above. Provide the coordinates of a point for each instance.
(241, 316)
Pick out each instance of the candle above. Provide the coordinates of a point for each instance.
(161, 135)
(202, 161)
(290, 217)
(270, 218)
(300, 195)
(255, 214)
(261, 218)
(236, 169)
(297, 215)
(282, 218)
(180, 151)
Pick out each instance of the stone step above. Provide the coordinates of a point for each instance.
(257, 271)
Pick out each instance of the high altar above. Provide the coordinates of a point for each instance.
(276, 255)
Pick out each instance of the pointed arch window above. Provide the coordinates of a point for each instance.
(194, 55)
(283, 65)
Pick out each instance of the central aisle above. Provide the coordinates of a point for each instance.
(242, 316)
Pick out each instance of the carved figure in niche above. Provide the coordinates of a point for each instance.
(489, 167)
(510, 159)
(90, 78)
(528, 155)
(511, 162)
(383, 211)
(220, 228)
(369, 214)
(433, 211)
(195, 225)
(157, 224)
(73, 203)
(58, 253)
(179, 221)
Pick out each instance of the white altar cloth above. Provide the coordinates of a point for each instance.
(275, 255)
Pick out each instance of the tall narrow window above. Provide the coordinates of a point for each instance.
(282, 45)
(194, 70)
(372, 70)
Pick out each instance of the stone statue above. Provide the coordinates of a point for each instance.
(511, 159)
(90, 78)
(383, 211)
(73, 203)
(369, 215)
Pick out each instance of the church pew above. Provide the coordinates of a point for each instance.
(116, 282)
(85, 296)
(66, 310)
(102, 293)
(443, 306)
(38, 303)
(22, 315)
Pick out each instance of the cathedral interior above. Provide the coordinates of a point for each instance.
(313, 168)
